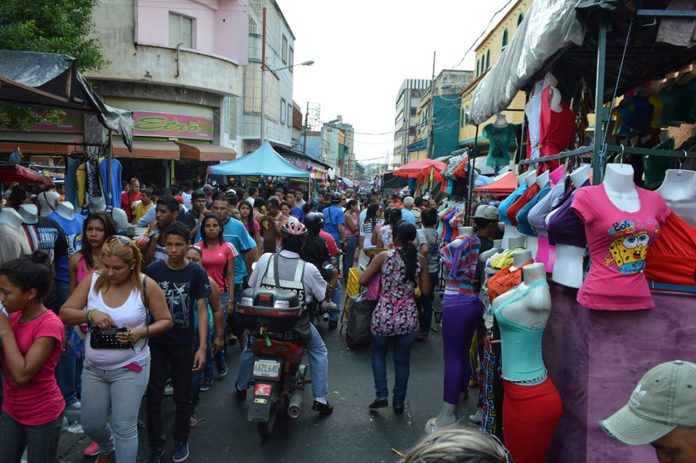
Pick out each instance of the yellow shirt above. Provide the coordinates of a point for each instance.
(140, 210)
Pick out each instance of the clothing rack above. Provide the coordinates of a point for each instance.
(556, 157)
(651, 152)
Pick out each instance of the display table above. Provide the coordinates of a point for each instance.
(596, 358)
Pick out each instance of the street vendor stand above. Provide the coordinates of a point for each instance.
(596, 357)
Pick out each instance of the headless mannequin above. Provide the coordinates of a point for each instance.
(66, 210)
(555, 103)
(10, 217)
(497, 247)
(450, 412)
(532, 241)
(29, 213)
(97, 204)
(679, 192)
(618, 184)
(520, 257)
(534, 308)
(568, 268)
(500, 121)
(48, 202)
(516, 241)
(13, 242)
(511, 230)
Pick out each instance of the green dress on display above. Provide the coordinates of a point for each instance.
(501, 139)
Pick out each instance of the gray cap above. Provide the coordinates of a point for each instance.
(664, 399)
(485, 211)
(408, 201)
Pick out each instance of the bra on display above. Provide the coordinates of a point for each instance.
(564, 226)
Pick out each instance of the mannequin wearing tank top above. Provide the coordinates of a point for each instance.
(532, 242)
(511, 230)
(531, 404)
(568, 266)
(679, 192)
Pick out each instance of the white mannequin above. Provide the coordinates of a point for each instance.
(520, 257)
(532, 241)
(29, 213)
(534, 308)
(555, 103)
(497, 247)
(463, 231)
(10, 217)
(568, 269)
(500, 121)
(97, 204)
(48, 202)
(511, 230)
(618, 184)
(679, 192)
(516, 241)
(66, 210)
(530, 179)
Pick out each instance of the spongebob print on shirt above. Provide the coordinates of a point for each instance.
(628, 248)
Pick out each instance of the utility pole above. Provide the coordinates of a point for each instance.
(431, 118)
(306, 127)
(263, 74)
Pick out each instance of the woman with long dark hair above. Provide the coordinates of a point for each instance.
(352, 229)
(385, 235)
(252, 226)
(395, 319)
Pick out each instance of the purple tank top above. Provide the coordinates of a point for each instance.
(565, 227)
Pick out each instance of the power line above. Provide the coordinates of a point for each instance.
(490, 22)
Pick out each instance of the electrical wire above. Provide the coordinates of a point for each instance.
(490, 22)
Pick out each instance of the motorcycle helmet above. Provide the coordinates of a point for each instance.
(335, 197)
(293, 236)
(314, 221)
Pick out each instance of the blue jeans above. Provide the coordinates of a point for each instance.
(41, 441)
(220, 357)
(336, 299)
(201, 375)
(318, 365)
(402, 354)
(351, 246)
(426, 316)
(66, 370)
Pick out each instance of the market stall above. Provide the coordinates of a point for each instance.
(604, 324)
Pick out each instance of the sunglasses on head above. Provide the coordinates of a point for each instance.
(123, 240)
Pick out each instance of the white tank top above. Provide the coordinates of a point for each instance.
(132, 314)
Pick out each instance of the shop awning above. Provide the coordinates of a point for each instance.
(57, 144)
(507, 184)
(550, 26)
(205, 152)
(14, 173)
(146, 149)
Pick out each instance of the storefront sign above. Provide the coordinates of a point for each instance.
(57, 122)
(149, 124)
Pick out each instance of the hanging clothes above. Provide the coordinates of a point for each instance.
(501, 139)
(115, 180)
(533, 112)
(672, 259)
(557, 130)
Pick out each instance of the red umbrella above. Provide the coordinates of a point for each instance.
(14, 173)
(419, 167)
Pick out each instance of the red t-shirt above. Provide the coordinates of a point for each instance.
(257, 228)
(215, 261)
(39, 401)
(127, 201)
(330, 243)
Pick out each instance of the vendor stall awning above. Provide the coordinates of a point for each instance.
(19, 174)
(205, 152)
(507, 184)
(550, 26)
(263, 161)
(143, 149)
(59, 144)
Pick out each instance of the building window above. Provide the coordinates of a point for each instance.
(282, 111)
(291, 58)
(520, 18)
(462, 117)
(478, 68)
(289, 119)
(180, 30)
(488, 59)
(413, 111)
(284, 50)
(505, 40)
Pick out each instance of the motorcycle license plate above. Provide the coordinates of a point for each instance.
(267, 368)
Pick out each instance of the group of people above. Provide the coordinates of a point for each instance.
(138, 317)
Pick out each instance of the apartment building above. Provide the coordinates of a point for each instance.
(405, 124)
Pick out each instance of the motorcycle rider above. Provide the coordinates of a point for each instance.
(293, 237)
(315, 251)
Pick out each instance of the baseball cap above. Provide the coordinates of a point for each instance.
(207, 187)
(230, 191)
(664, 399)
(197, 194)
(485, 211)
(408, 201)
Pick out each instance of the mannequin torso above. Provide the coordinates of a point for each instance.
(10, 217)
(97, 204)
(618, 184)
(65, 210)
(500, 121)
(29, 213)
(679, 192)
(534, 307)
(13, 242)
(467, 232)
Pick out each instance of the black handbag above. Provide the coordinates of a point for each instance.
(105, 338)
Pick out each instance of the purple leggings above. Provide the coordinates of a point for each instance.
(460, 316)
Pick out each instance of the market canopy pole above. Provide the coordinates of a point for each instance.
(601, 115)
(470, 192)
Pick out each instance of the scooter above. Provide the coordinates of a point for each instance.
(279, 376)
(330, 275)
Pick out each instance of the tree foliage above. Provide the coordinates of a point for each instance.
(50, 26)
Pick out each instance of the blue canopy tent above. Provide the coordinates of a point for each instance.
(263, 161)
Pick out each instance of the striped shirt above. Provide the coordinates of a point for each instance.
(461, 261)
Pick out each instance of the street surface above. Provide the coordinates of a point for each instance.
(351, 434)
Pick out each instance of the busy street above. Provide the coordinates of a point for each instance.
(298, 231)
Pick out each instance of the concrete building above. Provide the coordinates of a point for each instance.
(280, 57)
(337, 142)
(438, 116)
(488, 52)
(179, 67)
(405, 123)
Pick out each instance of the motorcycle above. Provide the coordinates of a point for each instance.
(330, 275)
(276, 338)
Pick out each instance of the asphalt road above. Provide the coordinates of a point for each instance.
(351, 434)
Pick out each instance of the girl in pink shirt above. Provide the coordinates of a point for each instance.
(32, 338)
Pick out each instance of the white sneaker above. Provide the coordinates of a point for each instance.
(328, 306)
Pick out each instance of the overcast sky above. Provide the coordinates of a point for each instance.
(364, 49)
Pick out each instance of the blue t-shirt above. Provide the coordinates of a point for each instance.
(408, 216)
(182, 289)
(234, 232)
(297, 212)
(115, 181)
(333, 217)
(72, 230)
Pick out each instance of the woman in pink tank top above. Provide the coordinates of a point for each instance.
(97, 229)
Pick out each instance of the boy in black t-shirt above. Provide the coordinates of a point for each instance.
(186, 288)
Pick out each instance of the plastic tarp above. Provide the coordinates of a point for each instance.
(263, 161)
(550, 26)
(48, 80)
(506, 184)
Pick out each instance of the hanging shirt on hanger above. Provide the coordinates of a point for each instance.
(521, 202)
(533, 111)
(507, 202)
(501, 139)
(115, 180)
(564, 226)
(557, 129)
(618, 243)
(522, 217)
